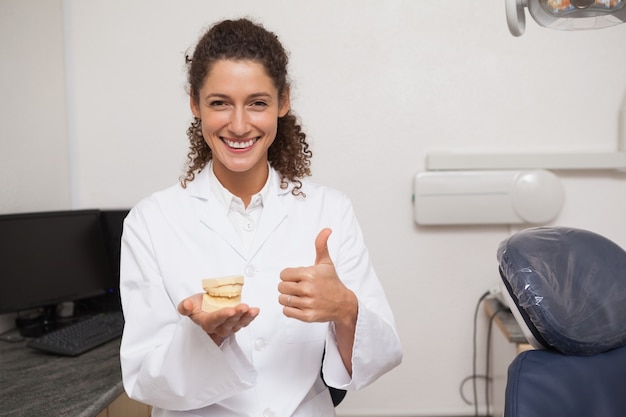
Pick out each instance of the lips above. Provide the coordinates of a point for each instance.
(239, 144)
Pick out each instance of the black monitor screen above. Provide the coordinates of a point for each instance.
(51, 257)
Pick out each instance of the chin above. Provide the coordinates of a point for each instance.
(243, 167)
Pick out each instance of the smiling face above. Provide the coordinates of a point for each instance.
(239, 107)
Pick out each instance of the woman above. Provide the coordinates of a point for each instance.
(312, 303)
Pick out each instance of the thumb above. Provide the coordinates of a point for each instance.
(185, 307)
(321, 247)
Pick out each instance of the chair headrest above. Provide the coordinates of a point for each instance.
(569, 286)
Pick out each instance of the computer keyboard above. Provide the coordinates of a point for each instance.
(79, 337)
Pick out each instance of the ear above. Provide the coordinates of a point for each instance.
(193, 104)
(285, 103)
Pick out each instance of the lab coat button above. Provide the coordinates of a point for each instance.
(268, 413)
(259, 344)
(249, 271)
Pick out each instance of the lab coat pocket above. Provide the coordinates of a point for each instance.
(301, 332)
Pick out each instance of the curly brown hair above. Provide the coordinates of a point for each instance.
(243, 39)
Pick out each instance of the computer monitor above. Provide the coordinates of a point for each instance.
(48, 258)
(113, 224)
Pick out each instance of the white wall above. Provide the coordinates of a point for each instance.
(377, 84)
(34, 152)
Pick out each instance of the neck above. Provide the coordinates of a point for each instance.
(242, 184)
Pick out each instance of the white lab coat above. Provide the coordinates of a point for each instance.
(175, 238)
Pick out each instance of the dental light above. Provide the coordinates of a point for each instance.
(565, 14)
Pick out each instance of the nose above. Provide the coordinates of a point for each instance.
(239, 122)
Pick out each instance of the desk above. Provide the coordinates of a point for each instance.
(33, 383)
(507, 324)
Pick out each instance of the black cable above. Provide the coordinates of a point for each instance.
(487, 358)
(475, 348)
(463, 382)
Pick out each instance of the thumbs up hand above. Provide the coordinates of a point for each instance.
(321, 248)
(315, 293)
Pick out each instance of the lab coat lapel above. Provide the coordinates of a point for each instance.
(212, 214)
(274, 213)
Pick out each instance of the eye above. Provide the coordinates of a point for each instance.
(258, 105)
(217, 103)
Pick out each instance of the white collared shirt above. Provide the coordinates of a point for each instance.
(244, 219)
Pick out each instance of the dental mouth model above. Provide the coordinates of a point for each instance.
(221, 292)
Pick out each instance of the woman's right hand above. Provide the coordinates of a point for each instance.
(217, 324)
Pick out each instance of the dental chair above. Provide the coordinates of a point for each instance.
(567, 289)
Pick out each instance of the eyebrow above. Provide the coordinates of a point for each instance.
(225, 96)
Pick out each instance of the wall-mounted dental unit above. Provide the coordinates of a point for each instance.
(498, 188)
(487, 197)
(565, 14)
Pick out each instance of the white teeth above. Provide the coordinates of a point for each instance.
(239, 145)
